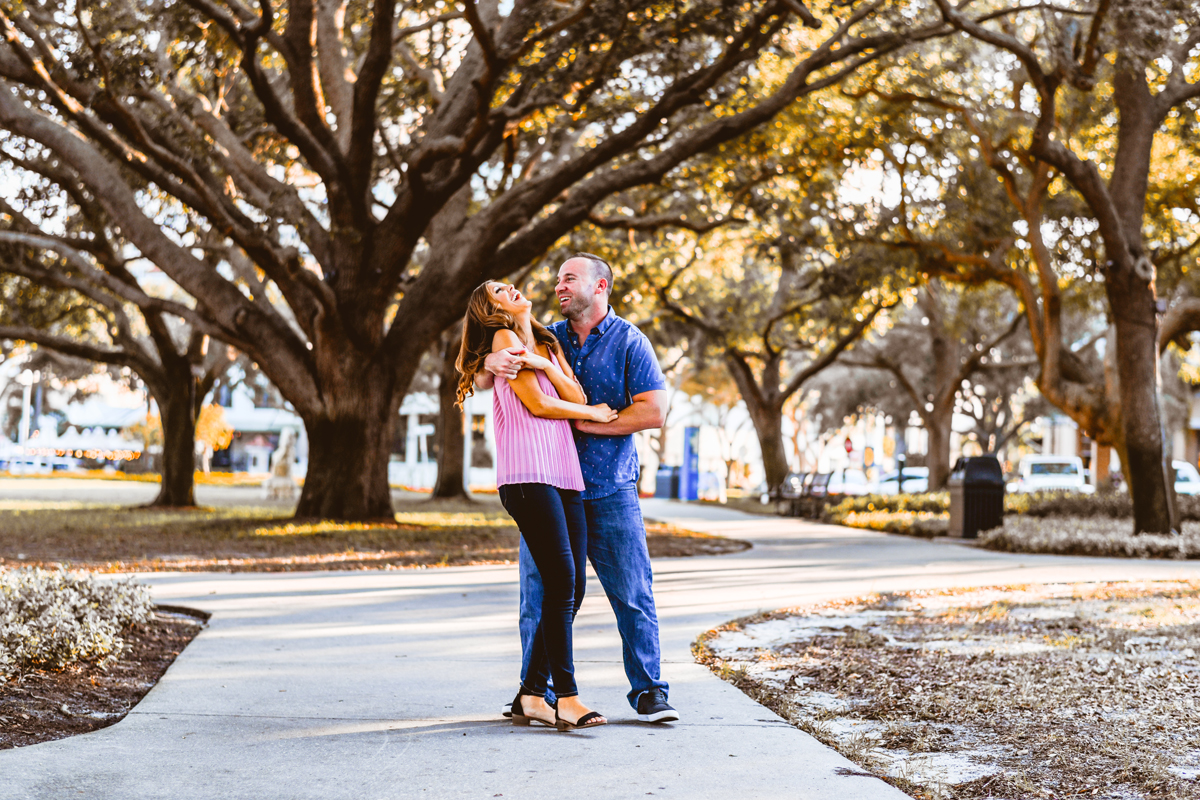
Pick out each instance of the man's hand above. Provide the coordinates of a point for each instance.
(648, 410)
(599, 428)
(505, 363)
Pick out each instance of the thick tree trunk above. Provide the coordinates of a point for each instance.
(768, 424)
(1100, 468)
(451, 477)
(938, 426)
(766, 412)
(177, 410)
(348, 449)
(1131, 298)
(1144, 457)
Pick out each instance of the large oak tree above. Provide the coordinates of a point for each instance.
(373, 162)
(1133, 60)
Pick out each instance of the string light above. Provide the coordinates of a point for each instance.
(99, 455)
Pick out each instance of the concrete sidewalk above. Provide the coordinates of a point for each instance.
(388, 684)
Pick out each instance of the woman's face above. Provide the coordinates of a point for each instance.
(507, 298)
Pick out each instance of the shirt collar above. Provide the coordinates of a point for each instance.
(609, 320)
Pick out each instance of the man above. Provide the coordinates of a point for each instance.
(615, 364)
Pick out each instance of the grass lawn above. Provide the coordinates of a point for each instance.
(426, 533)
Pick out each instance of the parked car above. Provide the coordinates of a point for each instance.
(1187, 478)
(848, 481)
(1051, 474)
(916, 479)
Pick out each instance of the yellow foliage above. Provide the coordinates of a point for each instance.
(150, 431)
(212, 427)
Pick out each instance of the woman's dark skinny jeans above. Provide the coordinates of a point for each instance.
(554, 526)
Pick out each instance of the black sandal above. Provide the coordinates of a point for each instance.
(586, 721)
(520, 718)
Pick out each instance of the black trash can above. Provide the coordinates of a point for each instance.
(976, 496)
(666, 483)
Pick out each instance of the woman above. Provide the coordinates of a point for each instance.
(540, 484)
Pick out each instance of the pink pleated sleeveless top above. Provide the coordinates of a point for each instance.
(532, 449)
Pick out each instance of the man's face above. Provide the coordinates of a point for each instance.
(576, 288)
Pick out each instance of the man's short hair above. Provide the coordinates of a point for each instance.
(600, 268)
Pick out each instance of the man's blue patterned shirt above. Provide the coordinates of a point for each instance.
(615, 363)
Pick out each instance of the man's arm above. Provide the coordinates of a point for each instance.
(505, 363)
(649, 410)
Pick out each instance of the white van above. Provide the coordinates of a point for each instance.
(1187, 479)
(1051, 474)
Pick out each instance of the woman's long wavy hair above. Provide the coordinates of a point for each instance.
(483, 319)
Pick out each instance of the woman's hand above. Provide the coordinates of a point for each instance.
(602, 413)
(532, 360)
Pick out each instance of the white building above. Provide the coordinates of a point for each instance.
(414, 459)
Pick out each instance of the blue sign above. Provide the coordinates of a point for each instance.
(689, 480)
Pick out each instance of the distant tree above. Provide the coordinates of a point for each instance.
(776, 326)
(55, 368)
(937, 347)
(452, 477)
(213, 432)
(58, 297)
(1002, 403)
(1127, 64)
(747, 248)
(818, 412)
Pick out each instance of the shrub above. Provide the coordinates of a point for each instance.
(928, 515)
(1084, 536)
(1069, 504)
(912, 514)
(911, 523)
(929, 503)
(1112, 505)
(50, 619)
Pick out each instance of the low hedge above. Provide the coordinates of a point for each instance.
(1112, 505)
(928, 503)
(913, 514)
(1039, 504)
(911, 523)
(51, 619)
(1089, 536)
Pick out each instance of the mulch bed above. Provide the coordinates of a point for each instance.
(41, 706)
(1019, 692)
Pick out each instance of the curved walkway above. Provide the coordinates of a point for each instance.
(388, 684)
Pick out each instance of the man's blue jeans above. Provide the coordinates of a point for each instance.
(617, 549)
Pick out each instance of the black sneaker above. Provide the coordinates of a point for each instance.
(652, 707)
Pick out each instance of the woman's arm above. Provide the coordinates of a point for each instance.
(569, 371)
(560, 376)
(540, 404)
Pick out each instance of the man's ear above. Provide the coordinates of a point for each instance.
(601, 286)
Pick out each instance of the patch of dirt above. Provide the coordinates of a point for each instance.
(668, 541)
(1020, 692)
(41, 706)
(425, 534)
